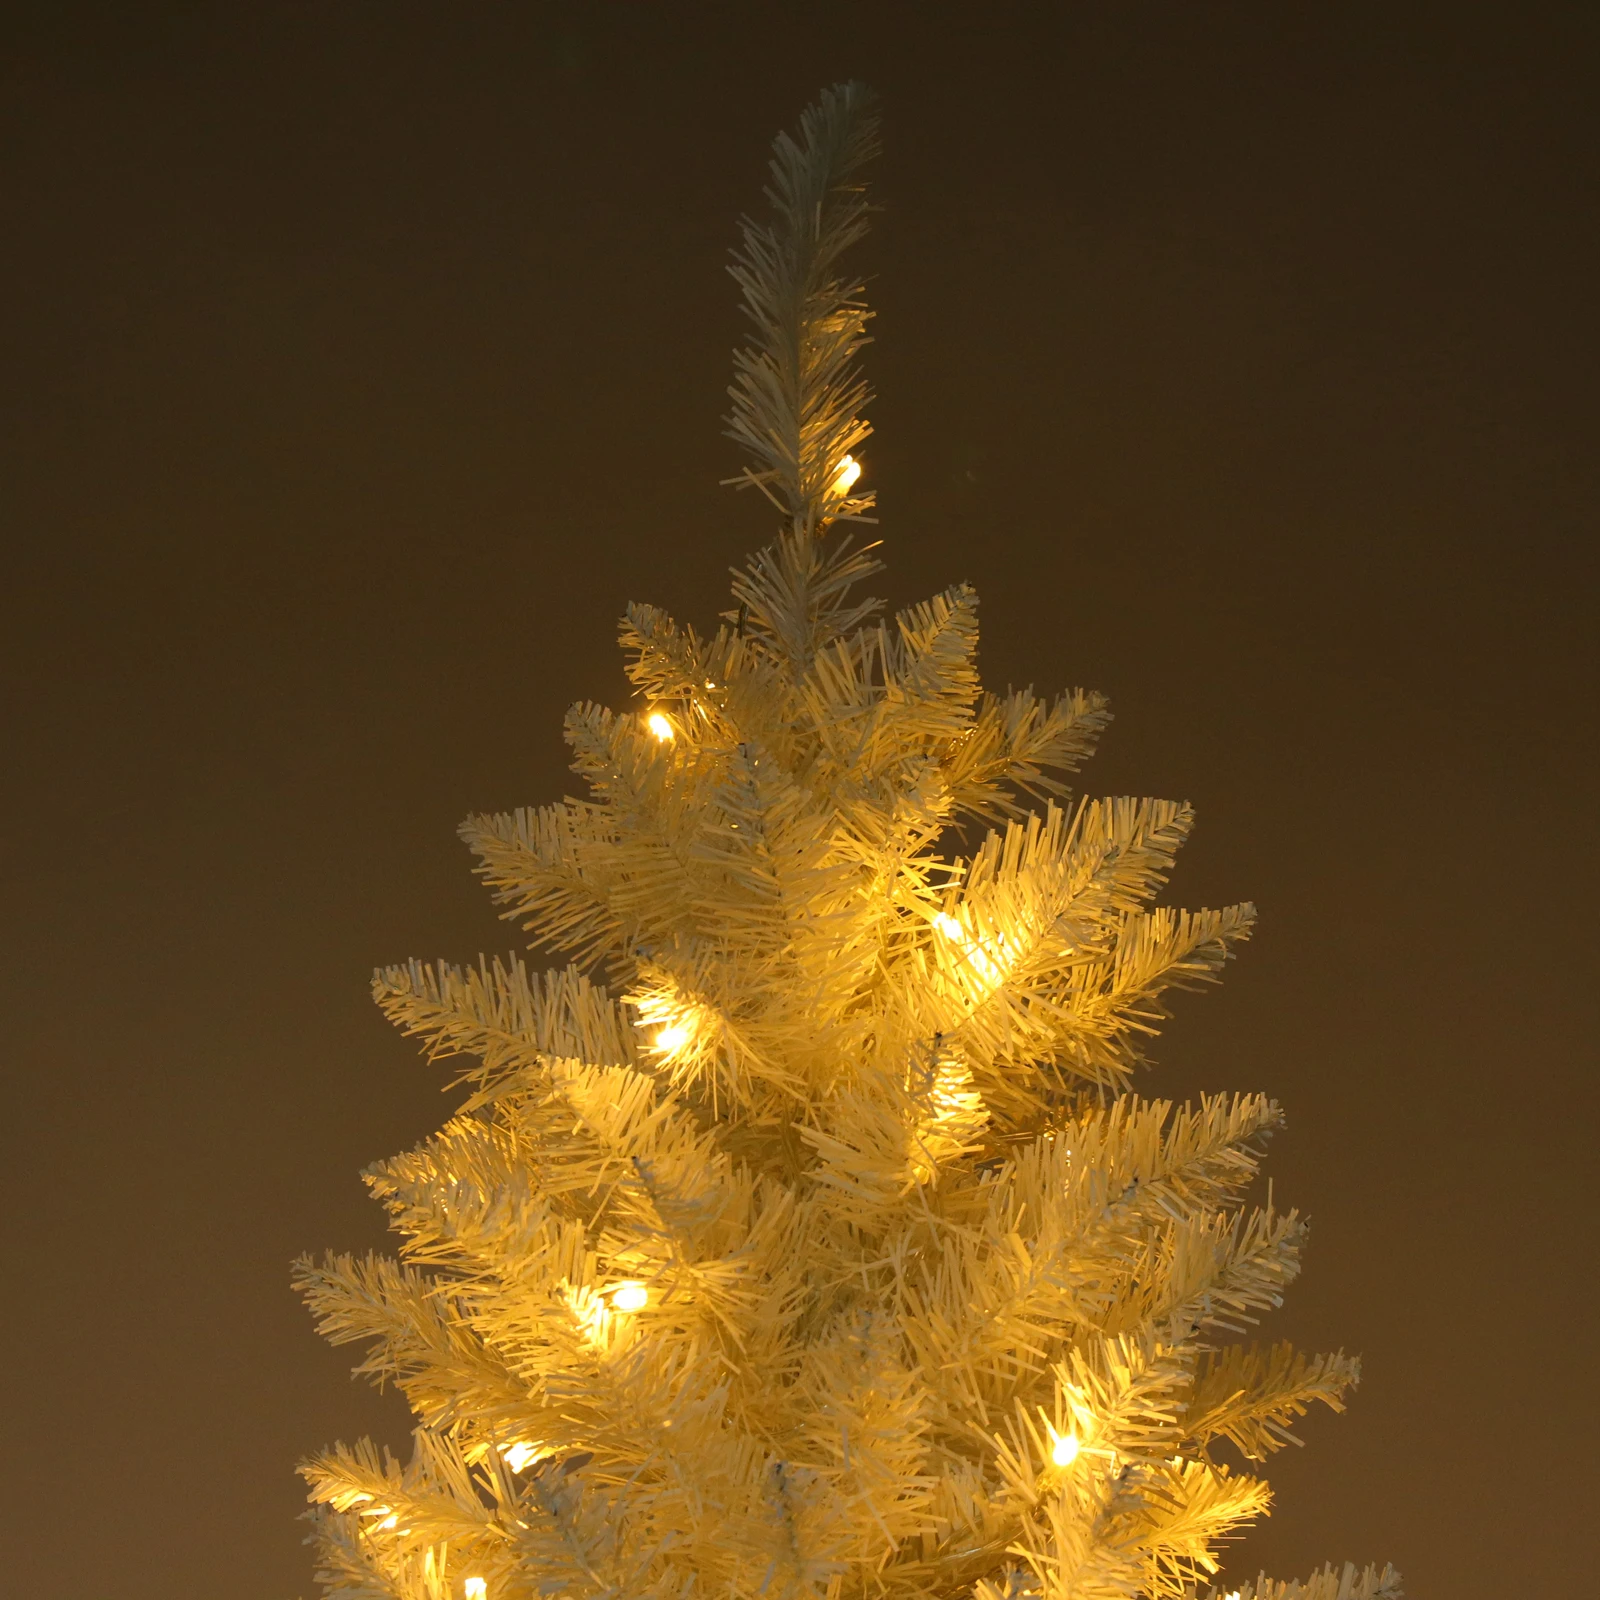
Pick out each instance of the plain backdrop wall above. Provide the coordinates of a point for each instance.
(362, 361)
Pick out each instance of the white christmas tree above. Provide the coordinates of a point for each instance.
(821, 1251)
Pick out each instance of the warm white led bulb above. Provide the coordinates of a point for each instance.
(672, 1037)
(519, 1454)
(630, 1297)
(950, 928)
(1066, 1450)
(475, 1588)
(660, 726)
(844, 479)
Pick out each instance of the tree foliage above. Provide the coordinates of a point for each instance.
(803, 1236)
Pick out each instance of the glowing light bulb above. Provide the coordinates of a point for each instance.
(660, 726)
(630, 1297)
(844, 479)
(518, 1455)
(390, 1520)
(475, 1588)
(978, 955)
(672, 1037)
(1065, 1451)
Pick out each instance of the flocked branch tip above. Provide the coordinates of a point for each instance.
(798, 395)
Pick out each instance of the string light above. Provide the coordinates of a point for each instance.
(1065, 1451)
(630, 1297)
(661, 726)
(519, 1454)
(849, 471)
(979, 955)
(672, 1037)
(475, 1588)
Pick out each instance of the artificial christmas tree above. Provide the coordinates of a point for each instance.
(822, 1250)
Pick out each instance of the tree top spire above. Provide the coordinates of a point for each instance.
(798, 395)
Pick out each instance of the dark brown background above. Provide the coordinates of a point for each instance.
(362, 360)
